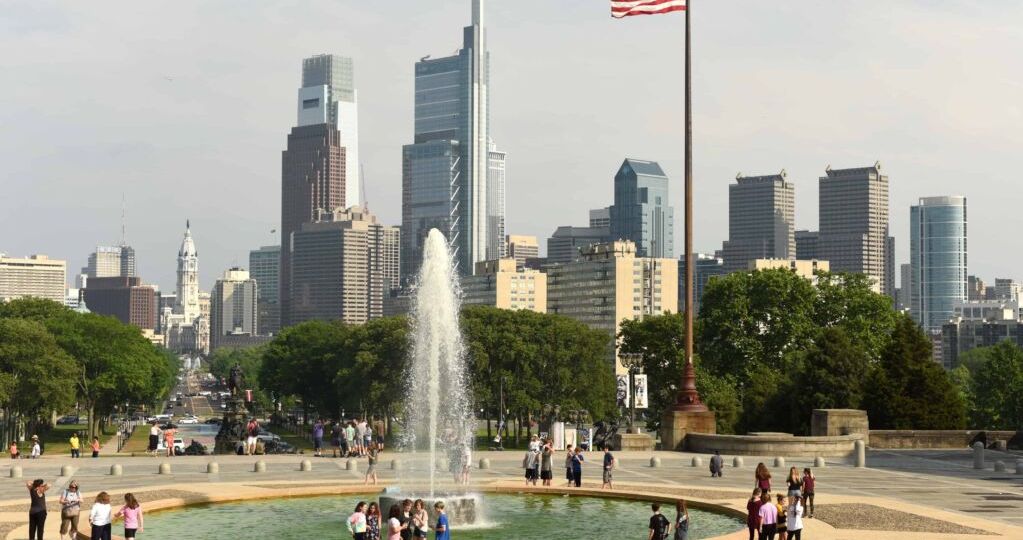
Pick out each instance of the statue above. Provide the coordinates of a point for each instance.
(236, 380)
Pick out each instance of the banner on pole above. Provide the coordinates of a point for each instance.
(622, 392)
(641, 391)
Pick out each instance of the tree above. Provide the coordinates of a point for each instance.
(998, 388)
(908, 390)
(846, 301)
(830, 376)
(303, 360)
(369, 378)
(250, 359)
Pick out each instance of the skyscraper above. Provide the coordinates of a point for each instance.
(265, 268)
(328, 96)
(853, 216)
(233, 306)
(445, 170)
(495, 204)
(38, 276)
(111, 261)
(568, 242)
(761, 220)
(807, 244)
(641, 212)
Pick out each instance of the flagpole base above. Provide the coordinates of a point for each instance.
(675, 425)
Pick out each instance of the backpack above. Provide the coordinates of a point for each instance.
(665, 525)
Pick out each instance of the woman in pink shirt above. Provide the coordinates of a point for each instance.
(768, 518)
(132, 513)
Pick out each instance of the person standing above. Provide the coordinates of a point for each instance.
(466, 462)
(360, 434)
(547, 464)
(753, 512)
(371, 469)
(808, 484)
(37, 511)
(795, 483)
(569, 456)
(659, 525)
(13, 449)
(357, 522)
(681, 520)
(168, 439)
(317, 437)
(420, 520)
(577, 467)
(373, 518)
(251, 437)
(442, 530)
(36, 449)
(609, 465)
(70, 509)
(763, 478)
(100, 517)
(75, 443)
(380, 429)
(335, 439)
(405, 519)
(343, 437)
(768, 517)
(132, 514)
(794, 518)
(531, 462)
(154, 438)
(95, 447)
(353, 446)
(780, 505)
(394, 527)
(717, 465)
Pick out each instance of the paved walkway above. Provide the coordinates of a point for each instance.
(913, 494)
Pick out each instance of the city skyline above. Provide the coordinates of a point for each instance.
(215, 123)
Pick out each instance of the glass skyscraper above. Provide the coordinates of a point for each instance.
(446, 169)
(937, 248)
(328, 96)
(641, 212)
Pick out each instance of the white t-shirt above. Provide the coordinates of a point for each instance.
(794, 517)
(100, 514)
(36, 450)
(154, 431)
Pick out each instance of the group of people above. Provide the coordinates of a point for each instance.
(101, 515)
(37, 449)
(406, 521)
(349, 438)
(538, 463)
(76, 446)
(784, 515)
(661, 528)
(168, 434)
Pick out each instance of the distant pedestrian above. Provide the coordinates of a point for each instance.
(547, 463)
(659, 525)
(353, 447)
(569, 457)
(442, 530)
(768, 517)
(335, 438)
(70, 510)
(531, 462)
(609, 466)
(343, 438)
(371, 469)
(317, 437)
(794, 518)
(132, 514)
(357, 522)
(75, 444)
(95, 447)
(36, 449)
(373, 519)
(13, 449)
(763, 478)
(795, 483)
(360, 435)
(379, 429)
(367, 439)
(466, 464)
(251, 437)
(681, 520)
(100, 517)
(577, 467)
(717, 465)
(808, 484)
(753, 512)
(37, 511)
(168, 439)
(394, 527)
(154, 438)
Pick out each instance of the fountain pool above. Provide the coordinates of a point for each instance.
(526, 517)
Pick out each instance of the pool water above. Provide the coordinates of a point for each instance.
(532, 517)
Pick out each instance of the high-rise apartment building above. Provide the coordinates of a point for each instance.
(853, 217)
(522, 248)
(611, 283)
(601, 217)
(233, 310)
(761, 220)
(37, 276)
(641, 212)
(265, 268)
(500, 283)
(445, 170)
(937, 258)
(123, 297)
(328, 96)
(343, 264)
(567, 243)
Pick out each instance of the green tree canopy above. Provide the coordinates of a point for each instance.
(36, 375)
(997, 388)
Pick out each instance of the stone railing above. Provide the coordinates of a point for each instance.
(912, 438)
(773, 444)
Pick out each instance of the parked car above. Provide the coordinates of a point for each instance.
(189, 420)
(179, 446)
(69, 419)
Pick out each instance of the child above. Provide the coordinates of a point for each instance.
(609, 465)
(132, 513)
(659, 524)
(808, 483)
(780, 504)
(36, 449)
(753, 512)
(568, 465)
(100, 517)
(14, 450)
(371, 470)
(95, 447)
(442, 530)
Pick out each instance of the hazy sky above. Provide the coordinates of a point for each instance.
(184, 108)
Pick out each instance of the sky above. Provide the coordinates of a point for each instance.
(183, 108)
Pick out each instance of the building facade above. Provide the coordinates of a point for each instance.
(265, 268)
(705, 267)
(611, 283)
(761, 220)
(807, 244)
(522, 248)
(567, 243)
(111, 261)
(853, 218)
(328, 96)
(979, 324)
(642, 212)
(502, 284)
(36, 276)
(445, 171)
(804, 269)
(233, 307)
(185, 326)
(938, 259)
(125, 298)
(601, 217)
(496, 203)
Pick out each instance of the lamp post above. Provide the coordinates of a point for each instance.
(634, 363)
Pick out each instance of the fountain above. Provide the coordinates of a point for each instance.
(439, 423)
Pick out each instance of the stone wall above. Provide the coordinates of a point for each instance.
(911, 438)
(781, 444)
(833, 422)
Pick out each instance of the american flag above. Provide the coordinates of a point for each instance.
(628, 8)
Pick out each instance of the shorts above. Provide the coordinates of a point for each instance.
(532, 474)
(318, 442)
(372, 469)
(380, 439)
(367, 440)
(129, 533)
(546, 475)
(250, 441)
(794, 492)
(608, 476)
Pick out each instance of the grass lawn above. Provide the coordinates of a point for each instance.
(56, 442)
(139, 441)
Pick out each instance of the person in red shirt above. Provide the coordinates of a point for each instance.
(808, 483)
(753, 512)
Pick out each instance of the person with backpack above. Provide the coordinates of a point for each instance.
(659, 525)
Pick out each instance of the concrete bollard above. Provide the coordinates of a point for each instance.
(999, 466)
(655, 462)
(819, 462)
(395, 464)
(305, 466)
(165, 468)
(484, 463)
(978, 455)
(213, 468)
(697, 462)
(16, 471)
(779, 462)
(1019, 466)
(67, 470)
(1002, 445)
(116, 470)
(861, 454)
(737, 462)
(259, 467)
(351, 465)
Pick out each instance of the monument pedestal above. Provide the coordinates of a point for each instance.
(632, 442)
(676, 424)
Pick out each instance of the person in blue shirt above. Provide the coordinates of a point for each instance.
(577, 467)
(609, 465)
(442, 530)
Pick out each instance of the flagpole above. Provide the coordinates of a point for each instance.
(688, 397)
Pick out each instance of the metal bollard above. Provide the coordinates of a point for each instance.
(819, 462)
(655, 462)
(737, 462)
(779, 463)
(116, 470)
(305, 466)
(861, 454)
(697, 462)
(978, 455)
(165, 468)
(484, 463)
(212, 468)
(259, 467)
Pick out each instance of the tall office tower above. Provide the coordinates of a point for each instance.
(761, 220)
(568, 242)
(889, 267)
(312, 180)
(937, 258)
(641, 212)
(105, 262)
(233, 310)
(328, 96)
(264, 267)
(706, 266)
(445, 171)
(38, 276)
(522, 248)
(975, 288)
(601, 217)
(854, 222)
(807, 244)
(123, 297)
(904, 300)
(127, 261)
(342, 263)
(495, 204)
